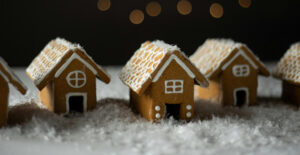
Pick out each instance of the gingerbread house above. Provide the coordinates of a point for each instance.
(7, 77)
(161, 81)
(288, 70)
(66, 77)
(232, 70)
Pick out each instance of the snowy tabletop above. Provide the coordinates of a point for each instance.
(272, 127)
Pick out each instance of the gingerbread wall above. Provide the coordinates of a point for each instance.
(212, 94)
(62, 88)
(4, 92)
(46, 96)
(221, 88)
(155, 94)
(290, 93)
(230, 82)
(142, 104)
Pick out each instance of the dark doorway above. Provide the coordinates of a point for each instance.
(172, 110)
(76, 104)
(241, 98)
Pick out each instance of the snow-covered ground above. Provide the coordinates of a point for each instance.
(270, 128)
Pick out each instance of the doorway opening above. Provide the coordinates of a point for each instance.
(241, 97)
(172, 110)
(76, 104)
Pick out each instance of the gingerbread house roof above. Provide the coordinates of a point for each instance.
(53, 57)
(10, 77)
(215, 53)
(288, 67)
(144, 65)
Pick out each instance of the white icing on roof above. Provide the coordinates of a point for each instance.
(50, 56)
(11, 73)
(288, 67)
(144, 62)
(209, 56)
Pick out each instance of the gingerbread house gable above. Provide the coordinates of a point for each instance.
(7, 73)
(55, 57)
(288, 68)
(216, 54)
(150, 61)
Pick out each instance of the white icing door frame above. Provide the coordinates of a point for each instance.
(68, 95)
(247, 95)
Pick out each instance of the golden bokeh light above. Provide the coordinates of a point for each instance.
(216, 10)
(103, 5)
(153, 9)
(245, 3)
(136, 16)
(184, 7)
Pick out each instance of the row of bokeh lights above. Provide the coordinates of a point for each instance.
(184, 7)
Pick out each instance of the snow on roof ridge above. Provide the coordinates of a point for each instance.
(217, 49)
(68, 44)
(288, 66)
(226, 41)
(44, 63)
(144, 62)
(162, 44)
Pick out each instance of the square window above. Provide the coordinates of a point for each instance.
(241, 70)
(173, 86)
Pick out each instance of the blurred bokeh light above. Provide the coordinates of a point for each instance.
(184, 7)
(216, 10)
(136, 16)
(103, 5)
(153, 9)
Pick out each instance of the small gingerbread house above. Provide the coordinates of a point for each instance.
(288, 70)
(161, 81)
(66, 77)
(232, 70)
(7, 77)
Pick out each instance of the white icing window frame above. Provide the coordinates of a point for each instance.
(76, 79)
(173, 86)
(244, 70)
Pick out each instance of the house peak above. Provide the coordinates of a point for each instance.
(146, 61)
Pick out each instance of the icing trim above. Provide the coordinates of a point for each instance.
(242, 53)
(84, 95)
(183, 66)
(4, 76)
(67, 63)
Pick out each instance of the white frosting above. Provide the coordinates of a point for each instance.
(50, 56)
(146, 60)
(11, 73)
(67, 63)
(166, 64)
(288, 67)
(209, 56)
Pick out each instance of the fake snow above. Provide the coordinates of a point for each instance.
(112, 128)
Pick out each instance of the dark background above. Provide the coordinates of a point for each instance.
(268, 27)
